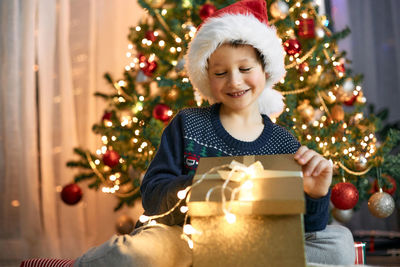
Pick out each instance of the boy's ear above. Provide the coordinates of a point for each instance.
(266, 76)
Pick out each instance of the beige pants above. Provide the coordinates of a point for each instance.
(162, 246)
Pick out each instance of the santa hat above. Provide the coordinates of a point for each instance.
(246, 20)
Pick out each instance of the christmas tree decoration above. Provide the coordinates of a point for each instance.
(162, 112)
(71, 194)
(292, 47)
(306, 110)
(340, 68)
(124, 225)
(344, 195)
(389, 184)
(279, 9)
(149, 67)
(303, 67)
(206, 10)
(342, 216)
(350, 101)
(156, 3)
(150, 35)
(111, 158)
(306, 28)
(361, 162)
(320, 32)
(337, 113)
(348, 86)
(381, 204)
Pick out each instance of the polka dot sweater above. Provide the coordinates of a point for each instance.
(198, 132)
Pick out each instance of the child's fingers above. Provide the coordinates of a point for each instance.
(306, 156)
(300, 152)
(310, 167)
(324, 165)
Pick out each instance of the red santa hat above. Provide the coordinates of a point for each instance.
(246, 20)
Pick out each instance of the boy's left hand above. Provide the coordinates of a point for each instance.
(317, 172)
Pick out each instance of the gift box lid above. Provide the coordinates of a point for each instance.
(279, 190)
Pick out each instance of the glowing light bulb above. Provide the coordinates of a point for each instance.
(188, 229)
(182, 194)
(184, 209)
(247, 185)
(143, 218)
(230, 217)
(190, 243)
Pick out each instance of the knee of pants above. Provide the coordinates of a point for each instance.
(343, 244)
(334, 245)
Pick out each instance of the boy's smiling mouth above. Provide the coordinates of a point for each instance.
(238, 94)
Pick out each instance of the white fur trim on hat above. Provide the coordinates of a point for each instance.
(219, 30)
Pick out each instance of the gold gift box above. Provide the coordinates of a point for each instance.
(268, 230)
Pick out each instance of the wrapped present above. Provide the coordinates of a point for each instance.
(251, 217)
(360, 252)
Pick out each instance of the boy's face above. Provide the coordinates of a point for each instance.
(236, 76)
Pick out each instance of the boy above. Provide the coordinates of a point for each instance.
(234, 60)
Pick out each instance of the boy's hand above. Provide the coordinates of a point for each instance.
(317, 172)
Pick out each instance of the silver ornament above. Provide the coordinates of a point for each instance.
(141, 77)
(342, 216)
(348, 86)
(381, 204)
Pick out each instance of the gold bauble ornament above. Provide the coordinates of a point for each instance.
(381, 204)
(279, 9)
(155, 3)
(361, 163)
(337, 113)
(342, 216)
(306, 110)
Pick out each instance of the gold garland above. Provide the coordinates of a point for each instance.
(302, 59)
(323, 104)
(354, 172)
(165, 25)
(101, 177)
(293, 92)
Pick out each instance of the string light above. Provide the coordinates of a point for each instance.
(138, 28)
(164, 12)
(230, 217)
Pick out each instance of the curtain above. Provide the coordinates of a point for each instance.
(53, 55)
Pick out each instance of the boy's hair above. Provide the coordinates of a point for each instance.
(242, 23)
(241, 43)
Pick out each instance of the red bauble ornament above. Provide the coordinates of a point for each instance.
(206, 11)
(106, 116)
(149, 68)
(303, 67)
(150, 36)
(340, 68)
(111, 158)
(161, 112)
(292, 47)
(142, 58)
(388, 179)
(344, 196)
(71, 194)
(306, 28)
(351, 100)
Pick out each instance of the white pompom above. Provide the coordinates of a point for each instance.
(271, 103)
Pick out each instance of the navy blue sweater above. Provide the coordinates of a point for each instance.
(198, 132)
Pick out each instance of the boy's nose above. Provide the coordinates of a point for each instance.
(235, 80)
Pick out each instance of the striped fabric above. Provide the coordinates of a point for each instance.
(47, 263)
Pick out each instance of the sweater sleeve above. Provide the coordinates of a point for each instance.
(317, 213)
(164, 177)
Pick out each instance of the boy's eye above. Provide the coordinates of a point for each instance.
(245, 69)
(220, 73)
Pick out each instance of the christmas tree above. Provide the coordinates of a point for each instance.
(324, 103)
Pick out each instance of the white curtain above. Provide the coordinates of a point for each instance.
(53, 55)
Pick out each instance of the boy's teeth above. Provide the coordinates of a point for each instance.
(238, 93)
